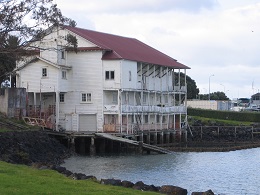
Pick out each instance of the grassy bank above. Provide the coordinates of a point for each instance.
(21, 179)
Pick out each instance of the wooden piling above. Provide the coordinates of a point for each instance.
(92, 147)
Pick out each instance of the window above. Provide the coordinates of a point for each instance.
(62, 54)
(114, 98)
(44, 72)
(166, 99)
(130, 76)
(62, 97)
(144, 98)
(110, 75)
(64, 74)
(157, 118)
(86, 97)
(83, 97)
(89, 98)
(146, 118)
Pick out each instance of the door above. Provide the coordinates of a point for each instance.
(88, 122)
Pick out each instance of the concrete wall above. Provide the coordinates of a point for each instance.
(203, 104)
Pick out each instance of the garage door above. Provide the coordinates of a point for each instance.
(87, 122)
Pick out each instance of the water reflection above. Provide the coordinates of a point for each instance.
(234, 172)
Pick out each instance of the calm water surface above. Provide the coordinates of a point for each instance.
(235, 172)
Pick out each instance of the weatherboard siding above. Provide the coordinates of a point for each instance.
(112, 65)
(31, 77)
(129, 74)
(86, 77)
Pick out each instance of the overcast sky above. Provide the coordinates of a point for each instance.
(212, 37)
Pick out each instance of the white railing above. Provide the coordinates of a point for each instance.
(153, 109)
(136, 128)
(111, 108)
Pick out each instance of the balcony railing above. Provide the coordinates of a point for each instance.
(153, 109)
(136, 128)
(111, 108)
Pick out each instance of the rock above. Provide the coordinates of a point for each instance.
(141, 186)
(127, 184)
(60, 169)
(154, 188)
(113, 182)
(208, 192)
(173, 190)
(67, 173)
(91, 177)
(29, 147)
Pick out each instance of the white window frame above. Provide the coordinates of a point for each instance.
(62, 54)
(62, 98)
(44, 72)
(130, 75)
(64, 74)
(109, 75)
(86, 97)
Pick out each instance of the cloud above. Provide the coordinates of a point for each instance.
(144, 6)
(212, 37)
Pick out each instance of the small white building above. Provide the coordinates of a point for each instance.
(111, 84)
(209, 104)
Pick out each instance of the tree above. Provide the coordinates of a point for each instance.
(8, 59)
(27, 20)
(214, 96)
(192, 90)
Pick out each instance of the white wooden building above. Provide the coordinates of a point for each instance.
(111, 84)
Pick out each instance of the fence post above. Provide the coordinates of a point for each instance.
(235, 133)
(201, 132)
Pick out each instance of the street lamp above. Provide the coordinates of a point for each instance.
(209, 84)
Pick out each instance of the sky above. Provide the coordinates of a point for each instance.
(218, 39)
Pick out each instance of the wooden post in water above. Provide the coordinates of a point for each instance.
(92, 147)
(168, 138)
(155, 138)
(102, 146)
(140, 148)
(72, 144)
(161, 138)
(148, 138)
(82, 149)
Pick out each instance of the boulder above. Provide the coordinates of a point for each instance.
(173, 190)
(208, 192)
(141, 186)
(113, 182)
(127, 184)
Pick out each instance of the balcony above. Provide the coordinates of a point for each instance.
(153, 109)
(111, 109)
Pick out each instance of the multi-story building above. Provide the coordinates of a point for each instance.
(111, 84)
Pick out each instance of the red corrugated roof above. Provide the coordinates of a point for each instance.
(119, 47)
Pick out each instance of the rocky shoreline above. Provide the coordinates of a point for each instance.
(37, 149)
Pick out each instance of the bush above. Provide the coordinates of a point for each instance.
(225, 115)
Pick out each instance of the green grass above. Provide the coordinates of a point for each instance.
(21, 179)
(208, 121)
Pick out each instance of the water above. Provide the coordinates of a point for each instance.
(235, 172)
